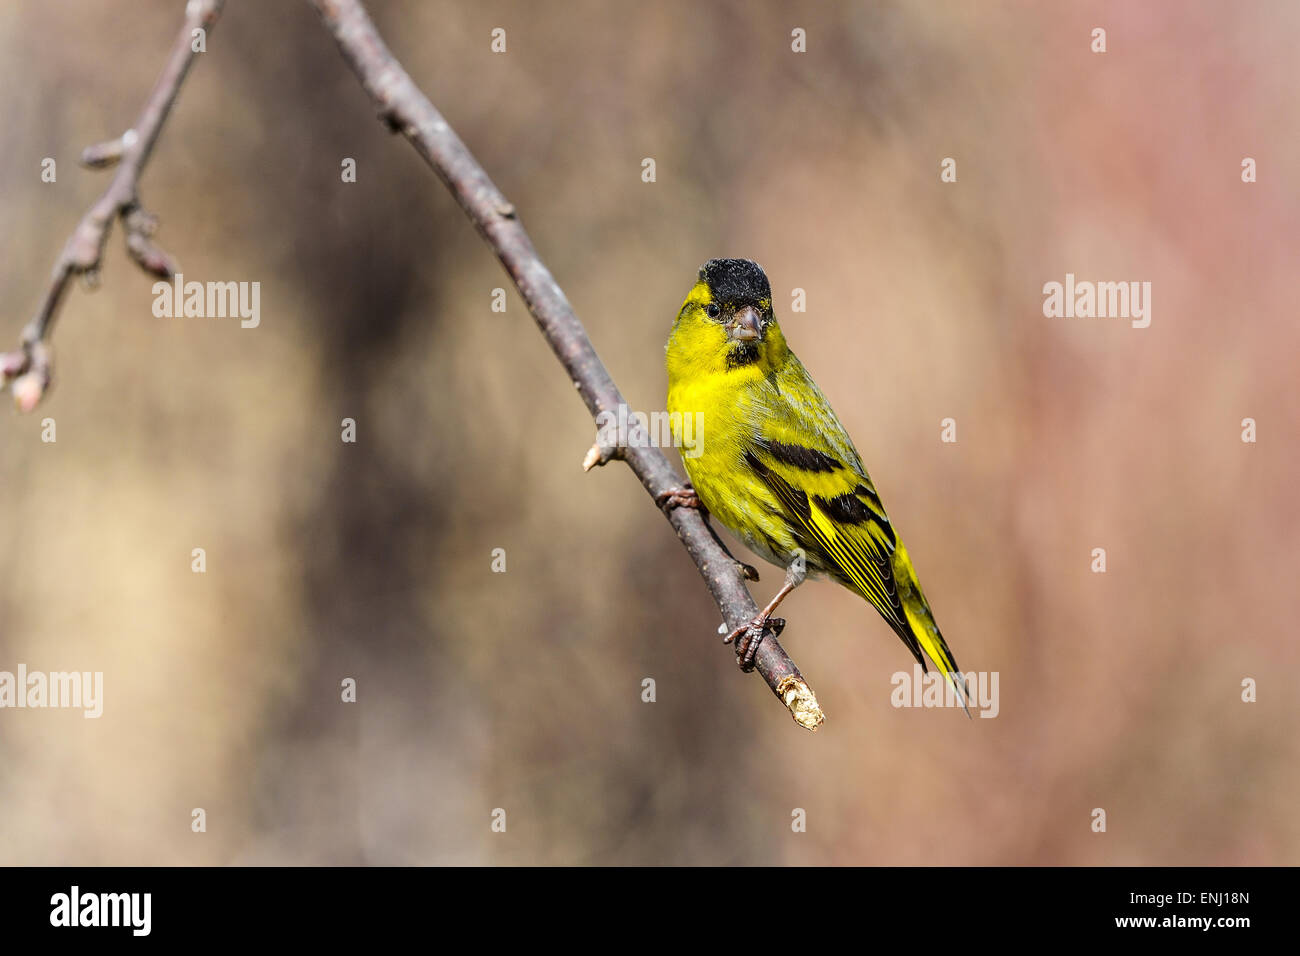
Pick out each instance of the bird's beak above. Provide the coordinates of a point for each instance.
(746, 325)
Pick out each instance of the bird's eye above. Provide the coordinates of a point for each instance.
(712, 310)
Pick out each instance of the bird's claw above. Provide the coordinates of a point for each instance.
(678, 498)
(749, 636)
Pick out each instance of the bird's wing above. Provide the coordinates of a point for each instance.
(802, 454)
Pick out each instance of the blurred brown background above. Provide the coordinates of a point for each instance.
(522, 690)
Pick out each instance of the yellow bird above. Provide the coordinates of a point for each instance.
(776, 466)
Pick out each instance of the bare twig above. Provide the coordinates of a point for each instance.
(30, 367)
(403, 107)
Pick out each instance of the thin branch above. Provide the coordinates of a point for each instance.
(405, 108)
(30, 367)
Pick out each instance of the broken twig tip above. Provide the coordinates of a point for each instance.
(802, 703)
(600, 455)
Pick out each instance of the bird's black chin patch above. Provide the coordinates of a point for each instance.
(742, 354)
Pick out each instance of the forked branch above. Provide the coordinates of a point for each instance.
(405, 108)
(30, 367)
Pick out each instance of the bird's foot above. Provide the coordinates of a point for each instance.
(679, 498)
(749, 636)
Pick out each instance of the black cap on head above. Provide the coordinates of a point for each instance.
(736, 280)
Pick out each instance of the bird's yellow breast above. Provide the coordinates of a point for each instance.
(726, 409)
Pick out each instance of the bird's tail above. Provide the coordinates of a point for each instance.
(925, 637)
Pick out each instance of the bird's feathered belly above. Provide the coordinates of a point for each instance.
(732, 492)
